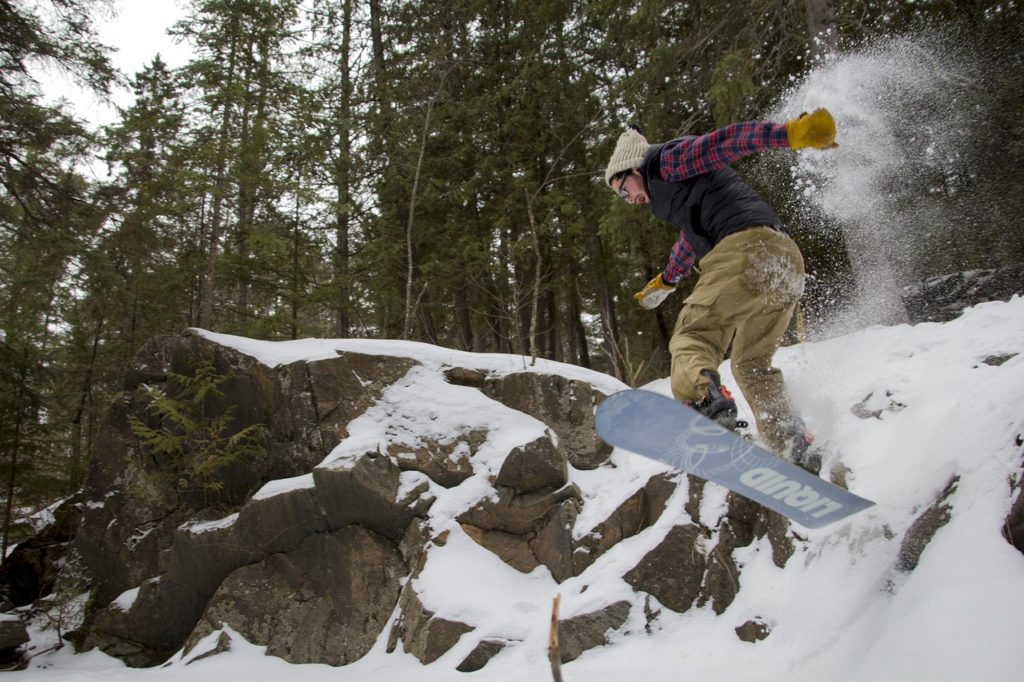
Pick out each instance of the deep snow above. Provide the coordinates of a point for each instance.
(838, 611)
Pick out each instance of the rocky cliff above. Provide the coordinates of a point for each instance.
(370, 470)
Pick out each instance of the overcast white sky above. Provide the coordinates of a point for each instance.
(139, 32)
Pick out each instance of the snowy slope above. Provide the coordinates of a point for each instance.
(838, 611)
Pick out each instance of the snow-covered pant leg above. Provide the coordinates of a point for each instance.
(708, 320)
(775, 275)
(761, 384)
(699, 341)
(748, 289)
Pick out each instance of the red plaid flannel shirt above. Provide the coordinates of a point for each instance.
(699, 154)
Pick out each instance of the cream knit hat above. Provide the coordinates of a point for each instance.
(629, 153)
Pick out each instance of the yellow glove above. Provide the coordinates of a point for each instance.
(816, 130)
(654, 293)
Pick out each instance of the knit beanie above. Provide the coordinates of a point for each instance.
(629, 153)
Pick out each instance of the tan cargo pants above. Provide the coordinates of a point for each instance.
(749, 286)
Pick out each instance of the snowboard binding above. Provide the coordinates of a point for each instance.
(718, 403)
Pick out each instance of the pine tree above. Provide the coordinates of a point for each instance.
(46, 219)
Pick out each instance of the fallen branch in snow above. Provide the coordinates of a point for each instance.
(554, 654)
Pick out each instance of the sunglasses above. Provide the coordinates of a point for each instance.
(623, 192)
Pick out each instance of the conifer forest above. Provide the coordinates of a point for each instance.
(400, 169)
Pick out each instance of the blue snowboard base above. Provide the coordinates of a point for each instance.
(666, 430)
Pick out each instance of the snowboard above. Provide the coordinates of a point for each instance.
(666, 430)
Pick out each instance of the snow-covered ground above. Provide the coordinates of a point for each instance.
(839, 610)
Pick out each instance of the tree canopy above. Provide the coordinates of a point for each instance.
(389, 169)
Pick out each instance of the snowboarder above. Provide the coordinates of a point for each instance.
(751, 271)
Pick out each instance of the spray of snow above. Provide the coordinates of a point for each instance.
(906, 111)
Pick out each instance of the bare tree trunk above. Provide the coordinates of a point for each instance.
(428, 332)
(464, 322)
(296, 276)
(410, 263)
(538, 270)
(409, 304)
(552, 348)
(608, 322)
(576, 333)
(554, 649)
(219, 193)
(376, 38)
(12, 478)
(77, 449)
(342, 178)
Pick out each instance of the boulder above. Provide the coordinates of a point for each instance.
(518, 514)
(481, 655)
(364, 491)
(198, 559)
(130, 511)
(552, 544)
(311, 555)
(446, 463)
(514, 550)
(744, 522)
(589, 630)
(1013, 529)
(565, 405)
(344, 387)
(753, 630)
(30, 570)
(143, 626)
(673, 572)
(423, 634)
(636, 513)
(924, 528)
(537, 465)
(327, 601)
(527, 530)
(133, 529)
(12, 635)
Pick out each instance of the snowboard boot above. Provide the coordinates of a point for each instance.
(717, 404)
(800, 449)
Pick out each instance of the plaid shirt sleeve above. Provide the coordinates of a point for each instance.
(699, 154)
(680, 263)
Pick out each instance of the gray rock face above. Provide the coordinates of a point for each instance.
(754, 630)
(695, 566)
(580, 633)
(1013, 529)
(326, 601)
(636, 513)
(673, 572)
(319, 557)
(566, 405)
(943, 298)
(129, 517)
(12, 635)
(425, 635)
(925, 527)
(535, 466)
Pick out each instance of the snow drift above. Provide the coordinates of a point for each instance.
(923, 419)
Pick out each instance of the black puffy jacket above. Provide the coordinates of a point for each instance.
(708, 207)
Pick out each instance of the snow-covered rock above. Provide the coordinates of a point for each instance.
(660, 576)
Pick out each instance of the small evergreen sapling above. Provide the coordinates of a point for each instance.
(195, 449)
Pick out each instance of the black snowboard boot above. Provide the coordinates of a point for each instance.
(801, 449)
(717, 404)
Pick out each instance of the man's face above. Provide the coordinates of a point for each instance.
(631, 188)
